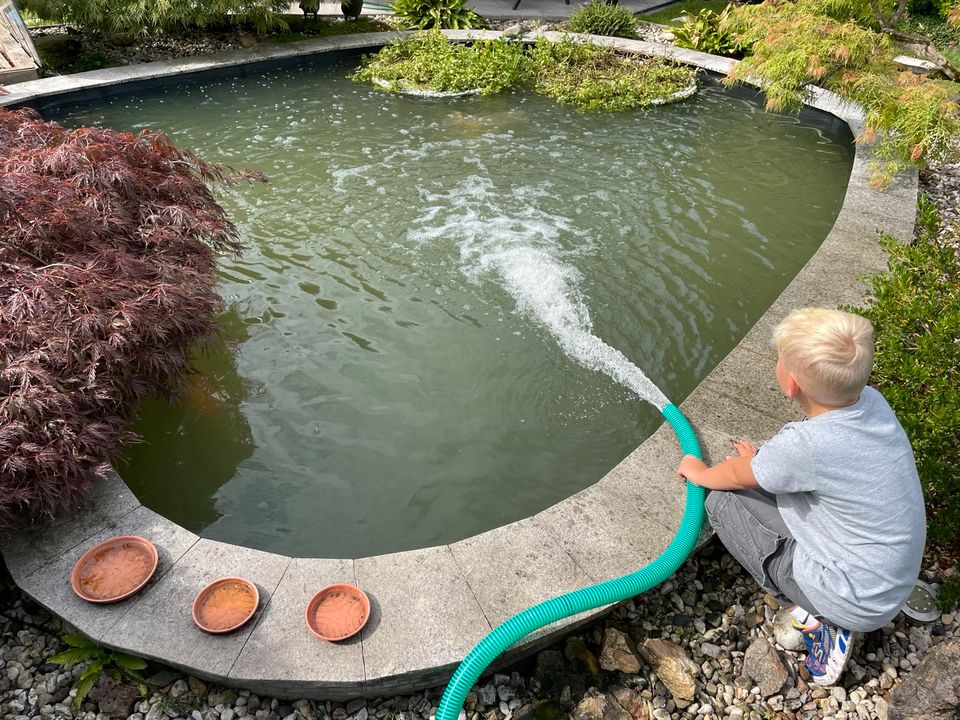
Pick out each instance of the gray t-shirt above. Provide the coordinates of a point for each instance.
(847, 488)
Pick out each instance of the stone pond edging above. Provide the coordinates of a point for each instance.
(431, 606)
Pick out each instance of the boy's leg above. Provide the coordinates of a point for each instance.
(750, 526)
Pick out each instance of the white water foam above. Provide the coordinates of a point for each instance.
(525, 252)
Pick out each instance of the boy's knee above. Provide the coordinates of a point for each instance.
(712, 503)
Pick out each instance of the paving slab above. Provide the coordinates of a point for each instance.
(646, 479)
(830, 282)
(716, 445)
(281, 652)
(706, 408)
(606, 537)
(749, 377)
(50, 586)
(853, 248)
(37, 545)
(898, 196)
(161, 627)
(424, 618)
(514, 567)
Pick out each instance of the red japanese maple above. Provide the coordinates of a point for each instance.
(108, 243)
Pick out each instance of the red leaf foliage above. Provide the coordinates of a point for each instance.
(108, 243)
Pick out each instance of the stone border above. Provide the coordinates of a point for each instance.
(431, 606)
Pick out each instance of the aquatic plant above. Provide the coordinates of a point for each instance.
(428, 61)
(107, 252)
(591, 77)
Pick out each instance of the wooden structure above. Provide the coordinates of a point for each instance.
(19, 61)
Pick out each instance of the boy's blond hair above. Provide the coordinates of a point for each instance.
(829, 352)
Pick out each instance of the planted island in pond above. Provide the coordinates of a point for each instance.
(585, 75)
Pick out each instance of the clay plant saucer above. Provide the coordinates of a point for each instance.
(338, 612)
(114, 569)
(225, 604)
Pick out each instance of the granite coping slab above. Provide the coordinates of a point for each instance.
(430, 606)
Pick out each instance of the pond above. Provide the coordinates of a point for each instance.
(403, 361)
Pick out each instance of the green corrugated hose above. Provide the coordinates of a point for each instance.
(588, 598)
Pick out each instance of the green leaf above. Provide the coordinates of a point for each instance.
(84, 687)
(94, 670)
(129, 662)
(74, 656)
(78, 641)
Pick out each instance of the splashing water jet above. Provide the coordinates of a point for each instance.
(525, 252)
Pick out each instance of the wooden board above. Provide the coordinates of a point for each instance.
(15, 64)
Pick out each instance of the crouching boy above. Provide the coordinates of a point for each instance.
(828, 515)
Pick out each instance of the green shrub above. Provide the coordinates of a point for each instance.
(440, 14)
(299, 30)
(428, 61)
(100, 661)
(708, 32)
(92, 61)
(859, 11)
(591, 77)
(938, 8)
(915, 309)
(144, 18)
(602, 18)
(941, 33)
(948, 596)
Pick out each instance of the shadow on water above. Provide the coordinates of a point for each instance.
(202, 431)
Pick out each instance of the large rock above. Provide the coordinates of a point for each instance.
(580, 658)
(114, 697)
(599, 706)
(932, 690)
(540, 710)
(785, 634)
(675, 669)
(551, 673)
(617, 652)
(633, 702)
(763, 665)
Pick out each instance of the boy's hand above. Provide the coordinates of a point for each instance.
(690, 467)
(744, 448)
(734, 473)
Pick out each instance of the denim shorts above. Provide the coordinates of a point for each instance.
(750, 526)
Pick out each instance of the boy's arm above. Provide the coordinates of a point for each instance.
(734, 473)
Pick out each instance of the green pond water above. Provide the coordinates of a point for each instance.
(410, 332)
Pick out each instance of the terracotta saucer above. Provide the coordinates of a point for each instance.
(338, 612)
(114, 569)
(225, 604)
